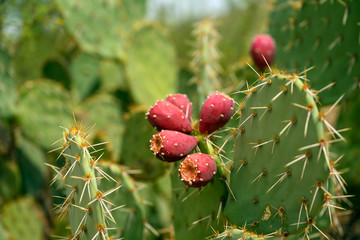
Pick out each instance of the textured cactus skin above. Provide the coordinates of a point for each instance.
(236, 234)
(329, 31)
(81, 187)
(130, 218)
(272, 205)
(205, 62)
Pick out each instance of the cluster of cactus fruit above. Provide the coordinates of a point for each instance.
(172, 117)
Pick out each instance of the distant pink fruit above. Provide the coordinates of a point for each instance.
(165, 115)
(215, 112)
(182, 102)
(263, 45)
(171, 146)
(197, 169)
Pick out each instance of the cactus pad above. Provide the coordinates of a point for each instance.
(86, 20)
(329, 30)
(281, 161)
(151, 66)
(23, 219)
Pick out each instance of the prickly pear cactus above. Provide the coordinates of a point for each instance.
(329, 32)
(85, 204)
(282, 173)
(130, 217)
(197, 211)
(23, 218)
(43, 104)
(151, 63)
(86, 20)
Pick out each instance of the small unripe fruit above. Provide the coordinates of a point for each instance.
(182, 102)
(263, 45)
(171, 146)
(215, 112)
(165, 115)
(197, 169)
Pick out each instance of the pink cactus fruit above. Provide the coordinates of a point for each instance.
(215, 112)
(197, 169)
(263, 45)
(171, 146)
(165, 115)
(182, 102)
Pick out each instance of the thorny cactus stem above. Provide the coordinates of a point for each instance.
(85, 205)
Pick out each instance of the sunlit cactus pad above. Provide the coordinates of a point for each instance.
(280, 177)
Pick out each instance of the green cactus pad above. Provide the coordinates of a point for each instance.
(31, 159)
(86, 21)
(43, 104)
(236, 234)
(85, 204)
(136, 152)
(23, 219)
(130, 218)
(33, 50)
(151, 64)
(84, 71)
(8, 94)
(323, 34)
(281, 162)
(105, 111)
(112, 76)
(197, 211)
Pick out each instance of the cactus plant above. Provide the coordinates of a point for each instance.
(86, 205)
(329, 31)
(282, 147)
(150, 63)
(23, 219)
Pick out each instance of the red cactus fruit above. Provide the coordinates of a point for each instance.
(182, 102)
(215, 112)
(171, 146)
(165, 115)
(263, 45)
(197, 169)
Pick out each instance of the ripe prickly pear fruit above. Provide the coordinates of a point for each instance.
(165, 115)
(182, 102)
(263, 45)
(215, 112)
(197, 169)
(171, 146)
